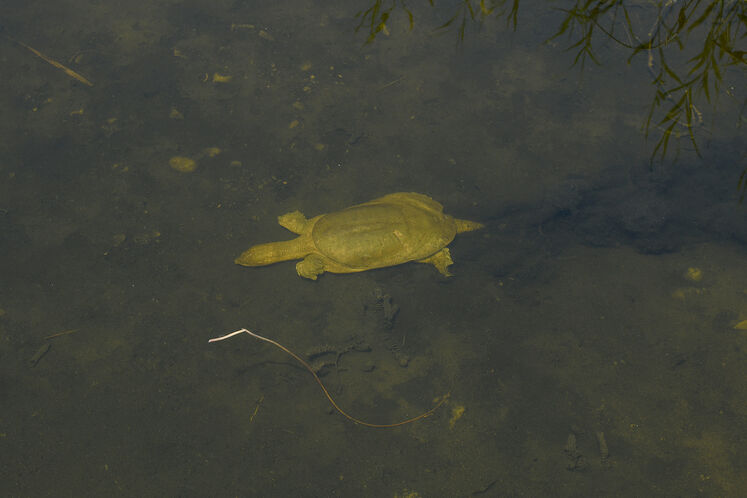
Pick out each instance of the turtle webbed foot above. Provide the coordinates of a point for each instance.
(294, 221)
(310, 267)
(441, 260)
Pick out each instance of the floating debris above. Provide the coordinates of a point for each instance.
(456, 414)
(694, 274)
(183, 164)
(53, 62)
(43, 349)
(221, 78)
(604, 451)
(265, 35)
(59, 334)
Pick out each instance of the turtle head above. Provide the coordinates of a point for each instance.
(260, 255)
(267, 254)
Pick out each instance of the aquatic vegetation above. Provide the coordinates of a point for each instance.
(705, 32)
(479, 12)
(376, 16)
(688, 45)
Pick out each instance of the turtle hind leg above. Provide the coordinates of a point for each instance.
(294, 221)
(441, 260)
(310, 267)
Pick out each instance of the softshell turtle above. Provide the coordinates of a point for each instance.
(387, 231)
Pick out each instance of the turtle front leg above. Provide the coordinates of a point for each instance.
(294, 221)
(441, 260)
(310, 267)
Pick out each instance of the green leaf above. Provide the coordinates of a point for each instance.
(448, 23)
(704, 86)
(664, 141)
(682, 19)
(468, 3)
(703, 16)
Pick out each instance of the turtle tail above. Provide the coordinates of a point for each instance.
(274, 252)
(467, 226)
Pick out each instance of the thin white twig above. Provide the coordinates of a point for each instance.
(216, 339)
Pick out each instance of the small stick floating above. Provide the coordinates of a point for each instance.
(53, 62)
(326, 393)
(58, 334)
(44, 349)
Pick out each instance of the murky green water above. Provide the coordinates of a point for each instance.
(592, 338)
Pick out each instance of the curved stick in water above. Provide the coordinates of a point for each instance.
(326, 393)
